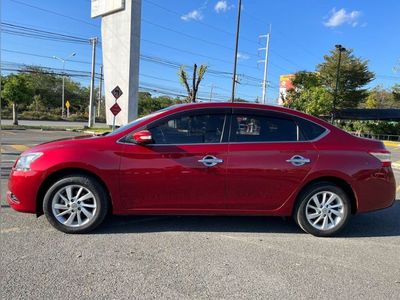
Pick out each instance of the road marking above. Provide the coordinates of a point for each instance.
(391, 143)
(9, 132)
(12, 229)
(20, 147)
(398, 189)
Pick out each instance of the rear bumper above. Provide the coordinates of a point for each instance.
(376, 190)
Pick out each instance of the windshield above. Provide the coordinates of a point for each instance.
(122, 128)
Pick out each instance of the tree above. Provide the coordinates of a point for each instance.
(148, 104)
(379, 97)
(309, 95)
(196, 79)
(16, 92)
(354, 75)
(396, 95)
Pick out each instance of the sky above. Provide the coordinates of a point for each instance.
(202, 31)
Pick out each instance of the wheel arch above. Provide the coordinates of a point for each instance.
(53, 177)
(340, 182)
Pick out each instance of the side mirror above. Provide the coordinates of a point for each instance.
(142, 137)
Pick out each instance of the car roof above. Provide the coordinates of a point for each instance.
(187, 106)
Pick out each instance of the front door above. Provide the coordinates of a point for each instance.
(183, 169)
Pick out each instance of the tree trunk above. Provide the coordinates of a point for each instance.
(194, 90)
(15, 113)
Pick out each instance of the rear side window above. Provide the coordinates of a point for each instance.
(259, 128)
(190, 129)
(309, 130)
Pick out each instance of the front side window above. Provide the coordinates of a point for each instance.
(259, 128)
(189, 129)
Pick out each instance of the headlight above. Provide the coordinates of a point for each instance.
(25, 160)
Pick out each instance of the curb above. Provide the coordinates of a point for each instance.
(396, 165)
(391, 143)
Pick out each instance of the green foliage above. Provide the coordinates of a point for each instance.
(17, 90)
(45, 90)
(354, 75)
(380, 97)
(314, 91)
(315, 101)
(148, 104)
(372, 127)
(396, 94)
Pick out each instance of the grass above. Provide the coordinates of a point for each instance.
(93, 130)
(41, 127)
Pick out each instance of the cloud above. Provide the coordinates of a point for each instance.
(242, 56)
(222, 6)
(194, 15)
(341, 17)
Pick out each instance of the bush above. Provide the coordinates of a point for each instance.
(372, 127)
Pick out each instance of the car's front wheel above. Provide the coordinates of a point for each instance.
(75, 204)
(323, 209)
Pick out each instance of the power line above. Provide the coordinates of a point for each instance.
(54, 13)
(161, 7)
(46, 56)
(196, 38)
(160, 61)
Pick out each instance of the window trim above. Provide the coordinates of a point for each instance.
(226, 111)
(278, 114)
(229, 112)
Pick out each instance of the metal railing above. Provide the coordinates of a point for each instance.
(382, 137)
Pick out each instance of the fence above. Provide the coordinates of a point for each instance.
(383, 137)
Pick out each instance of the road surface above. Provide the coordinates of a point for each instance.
(188, 257)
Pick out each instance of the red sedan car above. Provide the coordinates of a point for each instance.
(207, 159)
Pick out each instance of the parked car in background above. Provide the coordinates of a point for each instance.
(207, 159)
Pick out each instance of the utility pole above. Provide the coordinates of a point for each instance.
(93, 41)
(265, 61)
(100, 91)
(340, 49)
(236, 50)
(63, 60)
(211, 91)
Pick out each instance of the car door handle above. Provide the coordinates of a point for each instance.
(298, 160)
(210, 161)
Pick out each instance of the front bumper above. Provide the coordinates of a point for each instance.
(23, 187)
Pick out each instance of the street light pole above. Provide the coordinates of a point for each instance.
(236, 51)
(340, 49)
(63, 60)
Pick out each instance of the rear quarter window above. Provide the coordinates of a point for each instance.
(309, 130)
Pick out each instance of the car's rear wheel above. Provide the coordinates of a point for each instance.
(75, 204)
(323, 209)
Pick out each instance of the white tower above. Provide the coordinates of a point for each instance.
(120, 37)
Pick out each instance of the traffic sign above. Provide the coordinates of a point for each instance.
(116, 92)
(67, 104)
(115, 109)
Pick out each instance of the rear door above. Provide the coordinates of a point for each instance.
(269, 157)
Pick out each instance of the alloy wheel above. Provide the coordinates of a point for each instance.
(74, 205)
(325, 210)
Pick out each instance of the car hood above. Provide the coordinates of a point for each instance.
(65, 142)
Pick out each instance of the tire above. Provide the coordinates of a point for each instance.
(323, 209)
(75, 204)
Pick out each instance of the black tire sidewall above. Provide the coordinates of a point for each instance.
(93, 186)
(300, 214)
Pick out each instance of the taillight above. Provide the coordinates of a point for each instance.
(383, 157)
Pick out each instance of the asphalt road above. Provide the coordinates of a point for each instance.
(193, 257)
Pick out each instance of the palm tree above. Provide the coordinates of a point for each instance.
(197, 78)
